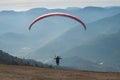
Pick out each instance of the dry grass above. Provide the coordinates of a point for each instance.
(8, 72)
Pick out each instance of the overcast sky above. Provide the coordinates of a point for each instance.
(28, 4)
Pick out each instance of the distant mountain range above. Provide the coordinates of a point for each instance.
(97, 48)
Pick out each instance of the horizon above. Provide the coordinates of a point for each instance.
(21, 5)
(59, 8)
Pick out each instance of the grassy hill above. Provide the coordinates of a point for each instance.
(9, 72)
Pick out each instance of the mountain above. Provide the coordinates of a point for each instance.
(16, 23)
(5, 58)
(90, 14)
(104, 51)
(75, 36)
(88, 45)
(57, 35)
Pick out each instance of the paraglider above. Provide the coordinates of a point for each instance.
(57, 14)
(57, 58)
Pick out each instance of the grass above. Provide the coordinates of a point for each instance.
(9, 72)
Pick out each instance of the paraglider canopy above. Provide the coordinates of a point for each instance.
(57, 14)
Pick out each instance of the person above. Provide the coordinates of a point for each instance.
(57, 58)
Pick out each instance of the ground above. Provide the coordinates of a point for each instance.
(9, 72)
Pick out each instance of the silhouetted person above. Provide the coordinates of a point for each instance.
(57, 58)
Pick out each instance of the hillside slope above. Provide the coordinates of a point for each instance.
(8, 72)
(8, 59)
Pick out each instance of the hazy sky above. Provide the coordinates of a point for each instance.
(27, 4)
